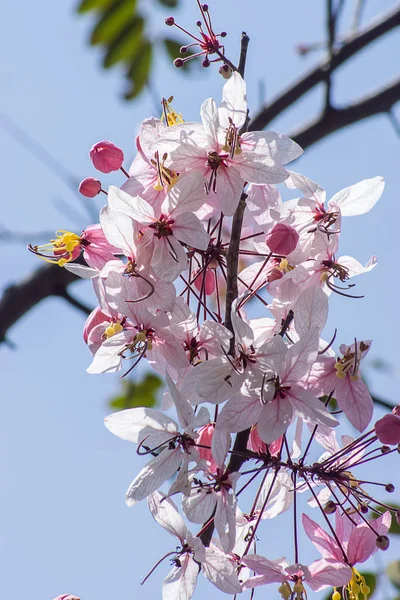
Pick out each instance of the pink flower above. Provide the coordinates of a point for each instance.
(388, 428)
(90, 187)
(106, 157)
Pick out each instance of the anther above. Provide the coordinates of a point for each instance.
(382, 542)
(170, 21)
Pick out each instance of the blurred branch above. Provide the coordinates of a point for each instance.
(19, 298)
(378, 28)
(382, 403)
(381, 101)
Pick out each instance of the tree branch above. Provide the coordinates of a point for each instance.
(18, 299)
(356, 43)
(380, 101)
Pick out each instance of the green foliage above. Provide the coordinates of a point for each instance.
(169, 3)
(112, 21)
(173, 47)
(139, 70)
(121, 31)
(370, 580)
(393, 572)
(141, 393)
(126, 45)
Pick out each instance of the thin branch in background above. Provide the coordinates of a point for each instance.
(380, 101)
(358, 13)
(42, 155)
(373, 31)
(383, 403)
(15, 237)
(331, 25)
(394, 121)
(75, 302)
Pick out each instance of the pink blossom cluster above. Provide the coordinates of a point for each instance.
(196, 235)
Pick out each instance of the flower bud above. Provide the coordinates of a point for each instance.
(170, 21)
(382, 542)
(282, 239)
(90, 187)
(387, 429)
(106, 157)
(209, 284)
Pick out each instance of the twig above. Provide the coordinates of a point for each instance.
(244, 44)
(358, 14)
(380, 101)
(378, 28)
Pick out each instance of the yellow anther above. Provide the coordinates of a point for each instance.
(336, 595)
(339, 366)
(285, 591)
(283, 265)
(169, 114)
(355, 377)
(112, 329)
(340, 374)
(141, 336)
(324, 277)
(158, 187)
(60, 250)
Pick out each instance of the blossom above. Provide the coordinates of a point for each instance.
(224, 156)
(153, 430)
(180, 583)
(342, 378)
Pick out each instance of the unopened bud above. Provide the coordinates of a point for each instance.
(389, 488)
(90, 187)
(382, 542)
(205, 281)
(106, 157)
(170, 21)
(282, 239)
(329, 508)
(178, 62)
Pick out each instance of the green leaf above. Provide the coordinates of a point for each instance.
(173, 47)
(139, 70)
(112, 21)
(393, 572)
(142, 393)
(87, 5)
(127, 44)
(170, 3)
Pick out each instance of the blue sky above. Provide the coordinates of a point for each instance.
(64, 526)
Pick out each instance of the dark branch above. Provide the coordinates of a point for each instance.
(380, 101)
(18, 299)
(356, 43)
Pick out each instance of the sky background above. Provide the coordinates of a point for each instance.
(64, 525)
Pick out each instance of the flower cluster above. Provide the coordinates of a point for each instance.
(195, 236)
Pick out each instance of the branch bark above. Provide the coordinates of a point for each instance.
(18, 299)
(378, 28)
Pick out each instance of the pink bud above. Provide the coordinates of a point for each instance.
(204, 438)
(106, 157)
(208, 274)
(255, 443)
(387, 429)
(90, 187)
(282, 239)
